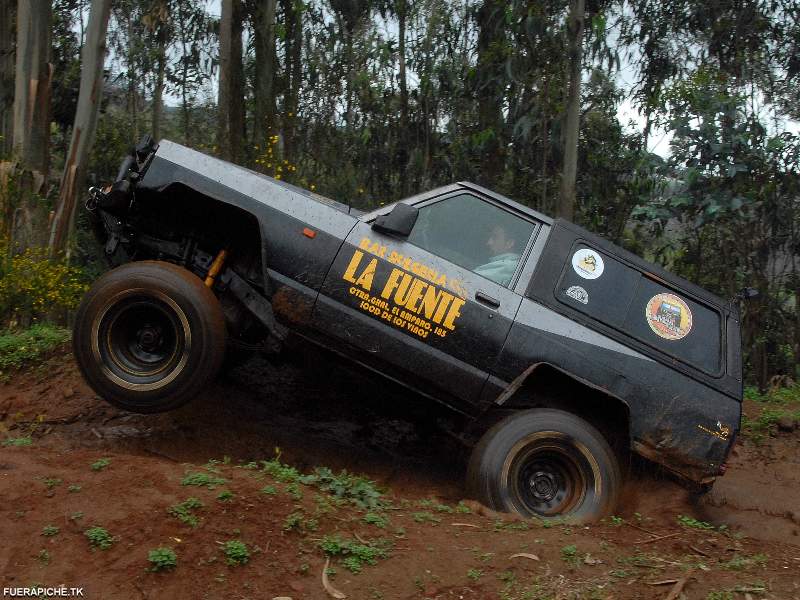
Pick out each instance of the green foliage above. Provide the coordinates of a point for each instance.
(425, 517)
(354, 554)
(50, 530)
(377, 519)
(19, 441)
(474, 574)
(270, 490)
(22, 348)
(51, 482)
(99, 538)
(162, 559)
(100, 464)
(743, 563)
(693, 523)
(184, 511)
(569, 554)
(199, 479)
(74, 488)
(359, 491)
(236, 552)
(225, 496)
(32, 287)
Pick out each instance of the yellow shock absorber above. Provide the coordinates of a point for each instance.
(216, 267)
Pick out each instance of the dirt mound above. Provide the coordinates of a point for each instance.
(320, 413)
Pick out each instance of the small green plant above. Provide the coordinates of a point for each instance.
(19, 441)
(359, 491)
(236, 552)
(44, 557)
(99, 538)
(74, 488)
(720, 595)
(376, 519)
(50, 530)
(296, 521)
(162, 559)
(569, 554)
(270, 490)
(184, 511)
(293, 489)
(202, 480)
(100, 464)
(76, 515)
(225, 496)
(616, 521)
(425, 517)
(354, 554)
(693, 523)
(51, 482)
(742, 563)
(475, 574)
(462, 508)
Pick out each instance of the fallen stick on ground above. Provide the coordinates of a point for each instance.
(700, 552)
(664, 582)
(332, 591)
(641, 528)
(679, 585)
(655, 539)
(465, 525)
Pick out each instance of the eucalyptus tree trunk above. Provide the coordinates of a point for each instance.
(83, 130)
(294, 67)
(566, 204)
(401, 8)
(264, 38)
(230, 125)
(161, 67)
(31, 123)
(7, 9)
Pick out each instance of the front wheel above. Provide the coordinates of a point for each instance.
(149, 336)
(545, 463)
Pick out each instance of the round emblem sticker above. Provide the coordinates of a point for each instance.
(588, 263)
(668, 316)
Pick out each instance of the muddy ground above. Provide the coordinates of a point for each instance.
(740, 541)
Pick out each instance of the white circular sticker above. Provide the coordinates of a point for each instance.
(588, 263)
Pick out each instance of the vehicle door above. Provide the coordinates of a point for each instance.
(434, 309)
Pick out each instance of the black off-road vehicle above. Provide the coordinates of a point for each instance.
(564, 351)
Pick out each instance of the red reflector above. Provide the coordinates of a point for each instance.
(309, 233)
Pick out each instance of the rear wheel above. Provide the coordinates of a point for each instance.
(546, 463)
(149, 336)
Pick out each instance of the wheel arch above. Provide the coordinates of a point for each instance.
(544, 384)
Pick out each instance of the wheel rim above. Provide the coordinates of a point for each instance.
(142, 340)
(549, 476)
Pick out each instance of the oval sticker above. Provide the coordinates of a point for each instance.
(588, 263)
(668, 316)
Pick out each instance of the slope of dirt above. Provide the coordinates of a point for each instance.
(321, 414)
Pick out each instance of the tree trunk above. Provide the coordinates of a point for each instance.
(264, 38)
(161, 61)
(230, 126)
(32, 121)
(489, 90)
(566, 204)
(83, 130)
(403, 142)
(294, 26)
(7, 9)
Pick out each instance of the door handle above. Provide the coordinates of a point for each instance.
(487, 300)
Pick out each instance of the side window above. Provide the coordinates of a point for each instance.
(473, 234)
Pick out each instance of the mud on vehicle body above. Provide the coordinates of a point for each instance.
(563, 351)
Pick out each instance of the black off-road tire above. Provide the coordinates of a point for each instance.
(546, 463)
(149, 336)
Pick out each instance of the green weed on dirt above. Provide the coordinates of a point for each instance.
(99, 538)
(20, 349)
(354, 555)
(162, 559)
(184, 511)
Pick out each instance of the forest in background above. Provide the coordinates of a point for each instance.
(369, 101)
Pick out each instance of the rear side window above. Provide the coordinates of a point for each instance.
(615, 294)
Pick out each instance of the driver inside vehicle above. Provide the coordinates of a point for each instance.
(504, 256)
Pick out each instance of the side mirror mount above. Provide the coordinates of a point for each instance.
(399, 222)
(747, 293)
